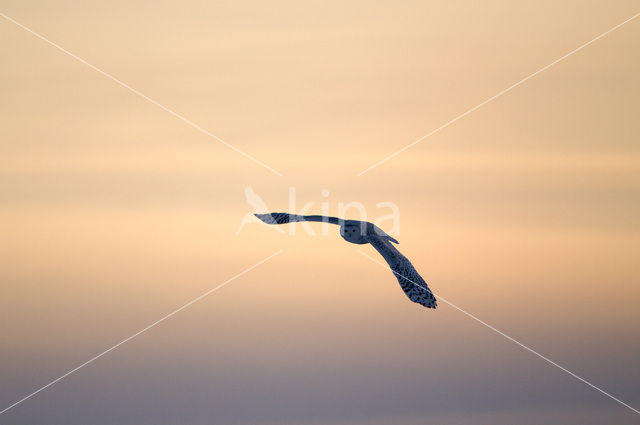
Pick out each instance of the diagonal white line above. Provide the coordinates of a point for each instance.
(141, 331)
(548, 360)
(142, 95)
(480, 105)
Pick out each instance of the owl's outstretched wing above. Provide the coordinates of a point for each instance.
(282, 218)
(410, 281)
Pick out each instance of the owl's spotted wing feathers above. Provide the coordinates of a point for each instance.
(410, 281)
(283, 218)
(278, 218)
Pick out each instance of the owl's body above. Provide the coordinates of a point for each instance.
(363, 232)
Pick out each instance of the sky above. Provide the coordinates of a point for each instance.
(114, 212)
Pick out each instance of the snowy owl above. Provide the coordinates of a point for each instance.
(363, 232)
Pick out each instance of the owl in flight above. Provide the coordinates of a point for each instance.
(362, 232)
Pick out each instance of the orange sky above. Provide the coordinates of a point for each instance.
(114, 213)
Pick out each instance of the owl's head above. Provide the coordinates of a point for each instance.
(354, 233)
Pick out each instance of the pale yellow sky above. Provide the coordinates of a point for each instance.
(114, 213)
